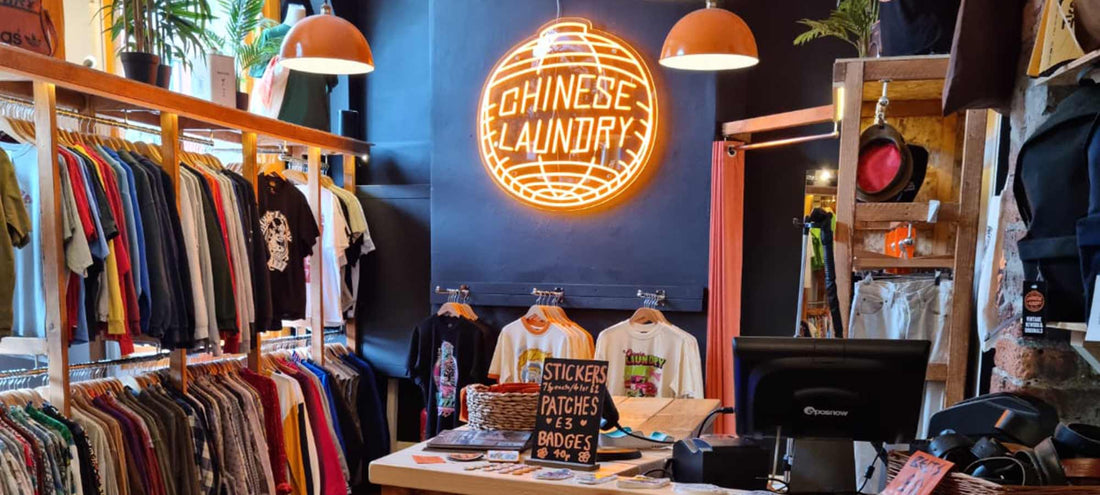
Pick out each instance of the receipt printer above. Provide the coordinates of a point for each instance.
(722, 460)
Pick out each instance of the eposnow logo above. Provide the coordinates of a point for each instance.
(811, 411)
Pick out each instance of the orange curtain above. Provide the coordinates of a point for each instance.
(727, 192)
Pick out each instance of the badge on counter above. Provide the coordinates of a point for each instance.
(469, 457)
(554, 475)
(428, 459)
(643, 483)
(502, 456)
(596, 478)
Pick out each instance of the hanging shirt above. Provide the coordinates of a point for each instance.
(522, 348)
(334, 242)
(446, 353)
(20, 309)
(289, 231)
(651, 360)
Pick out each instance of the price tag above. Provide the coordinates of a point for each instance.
(1035, 308)
(567, 425)
(921, 474)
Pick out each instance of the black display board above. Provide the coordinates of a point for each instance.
(567, 427)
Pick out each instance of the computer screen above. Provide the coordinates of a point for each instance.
(867, 390)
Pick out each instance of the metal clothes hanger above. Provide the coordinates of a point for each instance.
(648, 314)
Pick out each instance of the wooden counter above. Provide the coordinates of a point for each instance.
(399, 474)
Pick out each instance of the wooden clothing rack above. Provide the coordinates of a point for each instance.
(956, 144)
(54, 86)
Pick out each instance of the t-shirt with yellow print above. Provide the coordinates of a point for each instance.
(522, 348)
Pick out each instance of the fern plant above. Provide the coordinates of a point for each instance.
(852, 21)
(172, 29)
(244, 20)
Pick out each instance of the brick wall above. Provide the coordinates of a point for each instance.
(1047, 368)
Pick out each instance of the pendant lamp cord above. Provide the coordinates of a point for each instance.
(559, 9)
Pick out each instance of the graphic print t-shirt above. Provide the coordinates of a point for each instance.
(655, 360)
(289, 232)
(523, 347)
(446, 353)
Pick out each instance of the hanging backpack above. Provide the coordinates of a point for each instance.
(25, 24)
(1052, 193)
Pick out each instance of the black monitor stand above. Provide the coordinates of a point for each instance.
(814, 466)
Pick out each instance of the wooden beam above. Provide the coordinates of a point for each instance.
(973, 154)
(904, 212)
(846, 183)
(350, 329)
(866, 260)
(900, 109)
(786, 120)
(146, 96)
(901, 68)
(250, 169)
(177, 368)
(54, 272)
(316, 270)
(170, 148)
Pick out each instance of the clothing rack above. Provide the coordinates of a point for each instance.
(678, 298)
(107, 122)
(42, 84)
(653, 299)
(461, 294)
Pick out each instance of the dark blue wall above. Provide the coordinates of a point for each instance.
(658, 236)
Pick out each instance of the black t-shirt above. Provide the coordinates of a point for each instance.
(917, 27)
(289, 232)
(446, 354)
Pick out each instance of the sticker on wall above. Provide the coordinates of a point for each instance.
(568, 118)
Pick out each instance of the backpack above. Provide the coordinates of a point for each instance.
(25, 24)
(1052, 194)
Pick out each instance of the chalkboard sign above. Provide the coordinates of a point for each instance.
(567, 427)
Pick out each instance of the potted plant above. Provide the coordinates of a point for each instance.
(852, 21)
(242, 40)
(181, 27)
(156, 33)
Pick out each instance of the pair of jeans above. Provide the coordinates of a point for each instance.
(911, 309)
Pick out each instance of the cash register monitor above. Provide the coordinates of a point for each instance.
(867, 390)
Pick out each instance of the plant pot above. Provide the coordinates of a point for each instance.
(140, 66)
(164, 75)
(242, 101)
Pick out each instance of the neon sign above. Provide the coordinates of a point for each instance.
(567, 118)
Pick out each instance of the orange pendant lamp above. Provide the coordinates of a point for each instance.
(326, 44)
(710, 39)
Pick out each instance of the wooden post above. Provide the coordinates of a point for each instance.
(170, 154)
(970, 186)
(53, 244)
(846, 185)
(349, 184)
(249, 170)
(170, 148)
(316, 316)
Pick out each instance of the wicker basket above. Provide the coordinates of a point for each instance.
(961, 484)
(489, 410)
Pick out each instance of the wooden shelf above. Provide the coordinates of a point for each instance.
(937, 372)
(82, 88)
(866, 260)
(905, 212)
(1067, 74)
(821, 190)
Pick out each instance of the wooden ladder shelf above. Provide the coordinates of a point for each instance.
(956, 144)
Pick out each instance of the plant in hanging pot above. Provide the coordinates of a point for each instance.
(853, 21)
(241, 38)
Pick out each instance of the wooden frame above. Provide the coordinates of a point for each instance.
(915, 91)
(47, 81)
(914, 81)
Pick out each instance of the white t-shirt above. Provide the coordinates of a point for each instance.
(654, 360)
(521, 350)
(334, 244)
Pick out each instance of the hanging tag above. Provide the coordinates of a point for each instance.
(1035, 307)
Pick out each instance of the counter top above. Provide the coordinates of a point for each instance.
(398, 473)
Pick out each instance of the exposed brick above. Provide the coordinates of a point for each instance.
(1032, 360)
